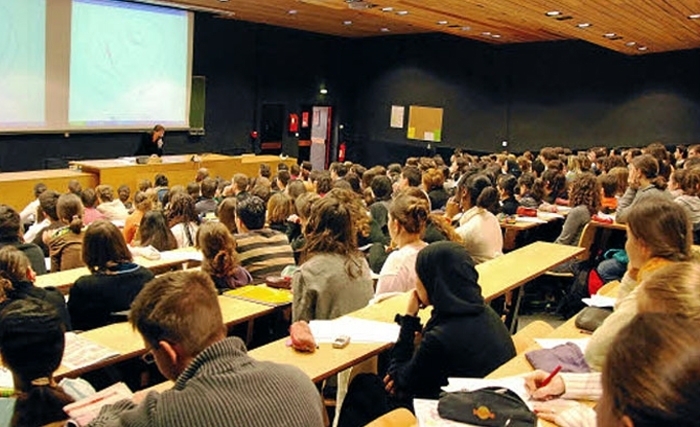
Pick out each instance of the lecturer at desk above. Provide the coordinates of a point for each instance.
(152, 142)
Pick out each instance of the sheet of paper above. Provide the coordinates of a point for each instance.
(81, 352)
(397, 116)
(549, 215)
(176, 256)
(85, 410)
(515, 384)
(549, 343)
(359, 330)
(531, 219)
(599, 301)
(6, 381)
(429, 136)
(563, 209)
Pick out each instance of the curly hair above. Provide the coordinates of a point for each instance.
(433, 179)
(219, 249)
(361, 221)
(585, 190)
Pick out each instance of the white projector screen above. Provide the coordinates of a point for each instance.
(88, 65)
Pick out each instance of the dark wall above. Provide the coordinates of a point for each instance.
(245, 65)
(533, 95)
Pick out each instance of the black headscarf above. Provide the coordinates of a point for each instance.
(448, 274)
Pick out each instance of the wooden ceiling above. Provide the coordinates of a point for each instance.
(631, 27)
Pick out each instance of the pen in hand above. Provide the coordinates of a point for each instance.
(550, 377)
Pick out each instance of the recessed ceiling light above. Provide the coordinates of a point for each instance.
(443, 22)
(486, 33)
(553, 13)
(387, 9)
(347, 22)
(496, 36)
(292, 12)
(465, 28)
(694, 16)
(642, 48)
(384, 30)
(609, 35)
(402, 12)
(630, 44)
(323, 91)
(584, 25)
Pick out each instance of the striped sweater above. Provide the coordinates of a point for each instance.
(223, 386)
(264, 252)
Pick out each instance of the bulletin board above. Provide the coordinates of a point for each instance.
(425, 123)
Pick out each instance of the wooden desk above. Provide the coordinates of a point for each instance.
(63, 280)
(511, 230)
(17, 188)
(180, 169)
(121, 337)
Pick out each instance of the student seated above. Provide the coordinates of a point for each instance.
(219, 251)
(608, 201)
(644, 181)
(113, 209)
(478, 226)
(506, 189)
(154, 231)
(17, 282)
(463, 338)
(89, 199)
(115, 280)
(47, 220)
(408, 216)
(659, 233)
(65, 243)
(124, 193)
(690, 186)
(11, 235)
(183, 220)
(28, 214)
(279, 208)
(216, 382)
(650, 378)
(142, 204)
(584, 200)
(31, 345)
(434, 184)
(334, 278)
(531, 190)
(206, 204)
(262, 251)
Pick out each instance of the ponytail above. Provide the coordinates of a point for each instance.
(222, 264)
(76, 224)
(659, 182)
(42, 404)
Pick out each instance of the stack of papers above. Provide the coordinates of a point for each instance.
(81, 352)
(85, 410)
(359, 330)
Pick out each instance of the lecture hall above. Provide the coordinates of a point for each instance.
(349, 213)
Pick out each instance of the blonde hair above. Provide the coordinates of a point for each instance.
(663, 226)
(674, 289)
(279, 208)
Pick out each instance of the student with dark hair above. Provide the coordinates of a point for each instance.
(32, 341)
(410, 177)
(283, 178)
(154, 231)
(644, 182)
(183, 220)
(434, 185)
(554, 186)
(226, 212)
(206, 204)
(28, 214)
(65, 244)
(507, 187)
(17, 282)
(295, 189)
(220, 261)
(262, 251)
(47, 209)
(161, 186)
(337, 171)
(531, 190)
(381, 189)
(142, 204)
(264, 171)
(324, 184)
(478, 227)
(192, 190)
(113, 283)
(608, 201)
(680, 155)
(11, 235)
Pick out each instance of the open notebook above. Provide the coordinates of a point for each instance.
(85, 410)
(81, 352)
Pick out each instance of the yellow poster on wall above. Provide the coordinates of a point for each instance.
(425, 123)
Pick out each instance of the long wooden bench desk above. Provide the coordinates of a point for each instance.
(121, 337)
(63, 280)
(496, 277)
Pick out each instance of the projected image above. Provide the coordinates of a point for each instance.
(22, 63)
(129, 64)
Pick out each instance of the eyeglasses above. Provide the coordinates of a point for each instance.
(148, 358)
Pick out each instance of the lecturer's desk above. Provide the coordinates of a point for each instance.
(180, 169)
(121, 337)
(17, 188)
(63, 280)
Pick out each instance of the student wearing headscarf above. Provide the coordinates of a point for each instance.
(463, 338)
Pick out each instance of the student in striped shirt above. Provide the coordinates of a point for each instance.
(262, 251)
